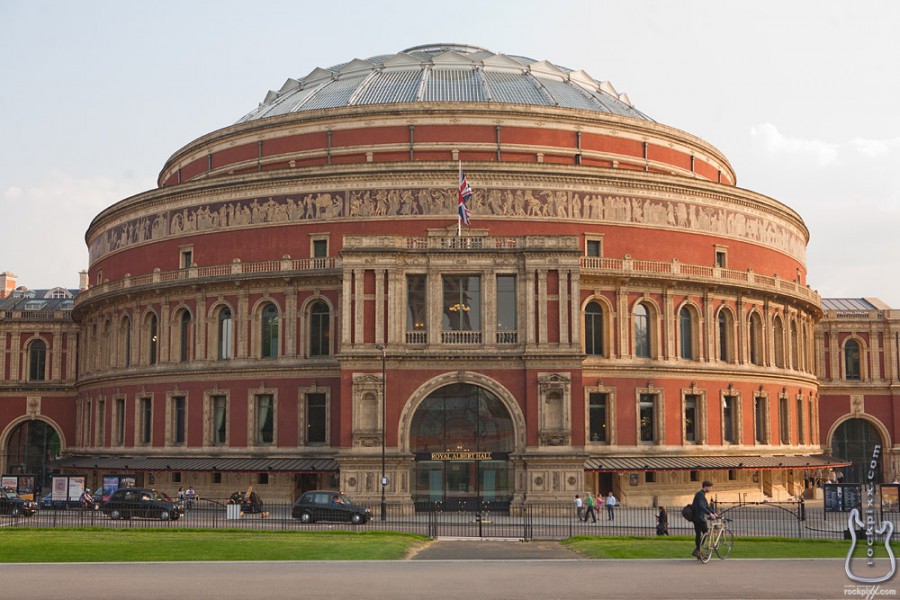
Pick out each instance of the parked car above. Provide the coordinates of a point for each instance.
(146, 503)
(250, 501)
(322, 505)
(48, 503)
(12, 505)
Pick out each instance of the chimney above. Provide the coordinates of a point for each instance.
(82, 280)
(7, 283)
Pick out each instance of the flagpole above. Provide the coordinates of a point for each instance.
(458, 216)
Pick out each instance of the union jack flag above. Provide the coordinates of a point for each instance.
(465, 193)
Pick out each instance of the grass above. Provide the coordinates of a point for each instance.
(24, 544)
(126, 545)
(681, 546)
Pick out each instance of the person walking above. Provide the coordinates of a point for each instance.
(701, 511)
(662, 521)
(610, 507)
(579, 507)
(589, 512)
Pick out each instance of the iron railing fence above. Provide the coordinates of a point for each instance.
(547, 521)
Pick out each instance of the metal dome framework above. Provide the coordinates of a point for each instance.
(445, 73)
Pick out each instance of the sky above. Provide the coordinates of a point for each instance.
(801, 97)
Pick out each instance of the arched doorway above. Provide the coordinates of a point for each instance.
(855, 440)
(30, 447)
(462, 435)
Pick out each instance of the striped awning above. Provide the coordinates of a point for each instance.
(132, 463)
(610, 464)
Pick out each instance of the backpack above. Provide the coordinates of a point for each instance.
(688, 512)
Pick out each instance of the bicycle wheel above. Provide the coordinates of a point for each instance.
(706, 548)
(725, 545)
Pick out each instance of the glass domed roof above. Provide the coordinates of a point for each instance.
(444, 73)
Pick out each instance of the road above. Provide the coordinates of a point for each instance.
(540, 579)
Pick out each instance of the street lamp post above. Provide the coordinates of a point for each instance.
(383, 427)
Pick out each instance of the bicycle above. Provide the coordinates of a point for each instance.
(718, 539)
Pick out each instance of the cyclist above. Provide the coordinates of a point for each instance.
(702, 510)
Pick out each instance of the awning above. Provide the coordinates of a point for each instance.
(710, 463)
(132, 463)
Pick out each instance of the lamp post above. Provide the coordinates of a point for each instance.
(383, 426)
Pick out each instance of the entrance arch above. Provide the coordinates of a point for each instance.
(855, 439)
(461, 435)
(29, 447)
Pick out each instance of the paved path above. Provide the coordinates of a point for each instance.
(484, 549)
(537, 579)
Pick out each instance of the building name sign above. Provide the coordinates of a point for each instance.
(462, 455)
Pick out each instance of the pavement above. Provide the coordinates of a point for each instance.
(492, 549)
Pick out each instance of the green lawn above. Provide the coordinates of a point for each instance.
(25, 544)
(123, 545)
(681, 547)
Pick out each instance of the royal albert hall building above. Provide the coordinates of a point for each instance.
(294, 306)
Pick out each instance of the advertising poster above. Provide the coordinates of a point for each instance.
(76, 486)
(60, 490)
(9, 483)
(26, 487)
(110, 484)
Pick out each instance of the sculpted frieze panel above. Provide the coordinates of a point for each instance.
(673, 213)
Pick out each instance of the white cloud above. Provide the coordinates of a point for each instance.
(876, 148)
(821, 153)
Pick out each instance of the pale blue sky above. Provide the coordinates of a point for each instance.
(800, 96)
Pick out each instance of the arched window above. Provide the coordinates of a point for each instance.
(778, 331)
(795, 346)
(726, 343)
(593, 329)
(319, 329)
(184, 335)
(641, 331)
(126, 341)
(686, 333)
(852, 360)
(756, 338)
(225, 334)
(152, 339)
(37, 360)
(855, 440)
(269, 331)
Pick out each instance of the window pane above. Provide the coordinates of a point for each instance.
(154, 339)
(37, 360)
(178, 414)
(760, 421)
(724, 354)
(220, 415)
(593, 329)
(641, 332)
(269, 331)
(728, 407)
(319, 334)
(647, 418)
(225, 334)
(315, 419)
(462, 303)
(851, 359)
(146, 420)
(597, 417)
(687, 330)
(265, 419)
(185, 336)
(506, 302)
(320, 248)
(593, 248)
(690, 418)
(416, 297)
